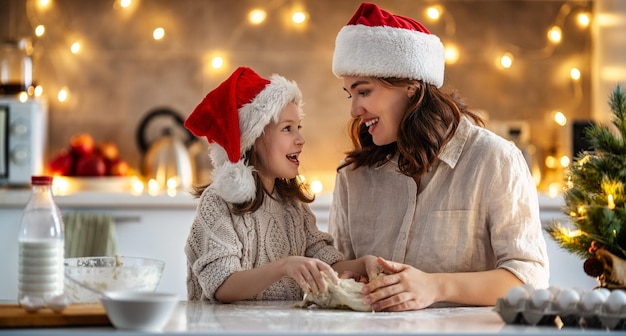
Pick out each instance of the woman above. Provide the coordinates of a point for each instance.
(450, 208)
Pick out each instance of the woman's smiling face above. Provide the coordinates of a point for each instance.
(378, 106)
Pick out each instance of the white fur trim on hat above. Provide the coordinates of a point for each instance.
(231, 181)
(384, 51)
(234, 181)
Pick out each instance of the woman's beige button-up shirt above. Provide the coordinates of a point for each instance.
(477, 210)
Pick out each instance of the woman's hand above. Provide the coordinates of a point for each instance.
(307, 272)
(401, 288)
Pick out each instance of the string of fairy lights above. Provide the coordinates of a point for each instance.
(297, 17)
(506, 60)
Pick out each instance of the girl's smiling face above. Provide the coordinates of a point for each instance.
(279, 147)
(378, 106)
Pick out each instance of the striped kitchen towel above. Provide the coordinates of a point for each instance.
(89, 235)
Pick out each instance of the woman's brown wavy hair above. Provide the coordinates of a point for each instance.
(428, 124)
(285, 189)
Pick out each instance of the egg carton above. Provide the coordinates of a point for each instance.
(525, 313)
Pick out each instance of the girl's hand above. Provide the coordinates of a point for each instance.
(307, 272)
(373, 269)
(401, 288)
(360, 269)
(358, 277)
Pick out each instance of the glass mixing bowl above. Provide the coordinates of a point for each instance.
(109, 274)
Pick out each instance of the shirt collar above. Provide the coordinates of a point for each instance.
(452, 150)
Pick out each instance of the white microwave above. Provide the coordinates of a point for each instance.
(23, 135)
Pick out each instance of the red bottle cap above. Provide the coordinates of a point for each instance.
(41, 180)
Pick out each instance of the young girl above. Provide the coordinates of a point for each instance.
(453, 206)
(254, 235)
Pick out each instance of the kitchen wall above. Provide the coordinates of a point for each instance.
(121, 73)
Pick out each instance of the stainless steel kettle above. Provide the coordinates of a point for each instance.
(166, 159)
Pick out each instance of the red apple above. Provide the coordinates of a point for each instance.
(119, 168)
(93, 165)
(82, 145)
(109, 151)
(61, 164)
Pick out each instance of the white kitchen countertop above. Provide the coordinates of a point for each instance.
(17, 198)
(282, 318)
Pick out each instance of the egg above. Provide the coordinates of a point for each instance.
(528, 287)
(58, 302)
(31, 304)
(604, 291)
(555, 290)
(540, 298)
(591, 300)
(516, 295)
(567, 298)
(615, 301)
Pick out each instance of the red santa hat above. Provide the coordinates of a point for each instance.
(376, 43)
(232, 117)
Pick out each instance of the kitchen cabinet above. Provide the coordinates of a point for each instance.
(157, 227)
(146, 226)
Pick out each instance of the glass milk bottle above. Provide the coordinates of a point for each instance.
(41, 245)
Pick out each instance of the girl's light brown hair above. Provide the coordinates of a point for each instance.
(285, 189)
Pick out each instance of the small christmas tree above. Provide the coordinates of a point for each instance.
(595, 200)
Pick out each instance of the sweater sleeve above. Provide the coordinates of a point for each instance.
(319, 244)
(213, 248)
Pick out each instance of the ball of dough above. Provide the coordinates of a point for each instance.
(345, 295)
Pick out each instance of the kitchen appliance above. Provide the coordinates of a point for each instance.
(199, 152)
(16, 66)
(23, 133)
(580, 142)
(166, 159)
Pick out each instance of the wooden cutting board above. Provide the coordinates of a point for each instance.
(14, 316)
